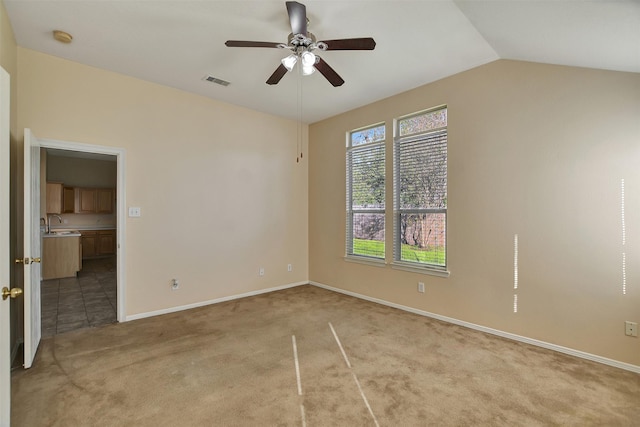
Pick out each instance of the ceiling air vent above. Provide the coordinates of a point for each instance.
(216, 80)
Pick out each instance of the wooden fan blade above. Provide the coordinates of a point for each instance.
(328, 72)
(365, 43)
(277, 75)
(242, 43)
(297, 17)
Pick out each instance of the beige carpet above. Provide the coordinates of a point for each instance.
(358, 364)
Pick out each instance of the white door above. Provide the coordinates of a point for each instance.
(32, 247)
(5, 262)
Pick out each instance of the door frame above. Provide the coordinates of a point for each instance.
(120, 207)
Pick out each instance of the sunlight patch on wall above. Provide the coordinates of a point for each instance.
(515, 261)
(624, 273)
(515, 272)
(624, 239)
(624, 231)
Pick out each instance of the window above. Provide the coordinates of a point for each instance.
(420, 190)
(366, 192)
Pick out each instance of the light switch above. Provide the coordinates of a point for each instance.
(134, 212)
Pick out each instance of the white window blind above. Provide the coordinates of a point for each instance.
(366, 193)
(420, 190)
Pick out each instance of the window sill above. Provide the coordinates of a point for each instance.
(420, 269)
(364, 260)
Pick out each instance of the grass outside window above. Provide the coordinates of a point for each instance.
(434, 256)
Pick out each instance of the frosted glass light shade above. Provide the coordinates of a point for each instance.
(289, 62)
(308, 60)
(308, 70)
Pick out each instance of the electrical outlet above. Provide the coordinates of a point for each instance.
(421, 287)
(261, 272)
(175, 285)
(631, 329)
(289, 268)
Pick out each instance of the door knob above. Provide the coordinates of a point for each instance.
(36, 260)
(24, 261)
(13, 293)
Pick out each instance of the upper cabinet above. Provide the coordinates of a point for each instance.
(61, 199)
(85, 200)
(94, 200)
(104, 200)
(68, 200)
(54, 197)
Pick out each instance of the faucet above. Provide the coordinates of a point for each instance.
(44, 222)
(59, 219)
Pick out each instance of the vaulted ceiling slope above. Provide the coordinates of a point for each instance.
(178, 43)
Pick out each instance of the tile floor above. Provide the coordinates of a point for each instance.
(88, 300)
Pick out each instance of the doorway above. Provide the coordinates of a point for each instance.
(78, 215)
(95, 296)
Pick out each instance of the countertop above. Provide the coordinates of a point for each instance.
(76, 231)
(84, 227)
(62, 233)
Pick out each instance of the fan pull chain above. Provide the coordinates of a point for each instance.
(299, 125)
(301, 142)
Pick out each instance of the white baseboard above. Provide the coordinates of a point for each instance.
(213, 301)
(508, 335)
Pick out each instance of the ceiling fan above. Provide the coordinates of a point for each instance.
(302, 44)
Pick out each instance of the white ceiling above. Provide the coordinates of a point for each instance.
(177, 43)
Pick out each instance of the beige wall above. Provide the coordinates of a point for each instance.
(534, 150)
(8, 58)
(220, 190)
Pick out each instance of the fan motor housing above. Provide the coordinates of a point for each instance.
(301, 39)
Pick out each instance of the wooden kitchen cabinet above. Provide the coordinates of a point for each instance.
(60, 257)
(85, 200)
(97, 243)
(54, 197)
(68, 200)
(106, 243)
(104, 200)
(89, 243)
(60, 199)
(94, 200)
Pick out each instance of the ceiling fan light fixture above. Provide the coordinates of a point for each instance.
(289, 62)
(302, 43)
(308, 59)
(307, 70)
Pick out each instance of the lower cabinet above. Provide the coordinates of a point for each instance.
(89, 243)
(97, 243)
(60, 257)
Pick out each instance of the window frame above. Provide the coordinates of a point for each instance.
(398, 263)
(350, 212)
